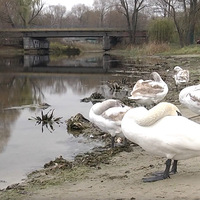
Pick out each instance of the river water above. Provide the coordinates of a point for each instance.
(29, 80)
(24, 147)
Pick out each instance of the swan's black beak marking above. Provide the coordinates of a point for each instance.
(178, 113)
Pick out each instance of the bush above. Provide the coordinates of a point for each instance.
(161, 31)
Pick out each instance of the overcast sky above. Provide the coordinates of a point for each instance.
(68, 3)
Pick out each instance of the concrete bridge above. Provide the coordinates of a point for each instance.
(38, 39)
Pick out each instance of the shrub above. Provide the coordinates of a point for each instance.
(161, 30)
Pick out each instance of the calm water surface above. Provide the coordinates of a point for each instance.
(23, 145)
(25, 81)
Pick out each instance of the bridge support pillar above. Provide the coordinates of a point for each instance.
(106, 62)
(35, 60)
(106, 43)
(35, 44)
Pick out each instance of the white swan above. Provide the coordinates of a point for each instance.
(161, 132)
(181, 76)
(149, 92)
(190, 97)
(107, 115)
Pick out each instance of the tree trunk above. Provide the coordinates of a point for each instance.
(134, 22)
(187, 29)
(191, 22)
(124, 4)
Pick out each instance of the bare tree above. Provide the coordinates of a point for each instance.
(20, 13)
(28, 10)
(130, 9)
(55, 16)
(161, 8)
(103, 7)
(115, 19)
(8, 14)
(184, 14)
(79, 11)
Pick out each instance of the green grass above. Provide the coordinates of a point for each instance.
(11, 51)
(58, 48)
(191, 49)
(157, 49)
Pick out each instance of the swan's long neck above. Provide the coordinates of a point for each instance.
(156, 113)
(156, 77)
(102, 107)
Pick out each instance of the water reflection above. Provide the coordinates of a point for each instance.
(4, 131)
(87, 63)
(23, 146)
(21, 140)
(47, 120)
(35, 60)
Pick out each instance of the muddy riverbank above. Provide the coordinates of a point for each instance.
(107, 174)
(117, 174)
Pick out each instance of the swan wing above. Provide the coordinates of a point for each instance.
(195, 95)
(190, 97)
(116, 113)
(150, 90)
(173, 137)
(182, 76)
(141, 83)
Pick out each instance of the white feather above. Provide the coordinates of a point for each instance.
(149, 92)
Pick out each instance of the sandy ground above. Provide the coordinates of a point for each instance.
(121, 179)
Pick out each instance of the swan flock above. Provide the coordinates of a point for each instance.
(161, 130)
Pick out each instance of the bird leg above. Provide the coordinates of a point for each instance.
(125, 142)
(112, 141)
(166, 172)
(174, 167)
(162, 176)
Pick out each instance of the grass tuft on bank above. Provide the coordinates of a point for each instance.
(152, 49)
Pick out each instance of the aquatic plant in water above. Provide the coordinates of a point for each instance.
(47, 120)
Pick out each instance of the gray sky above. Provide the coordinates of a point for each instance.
(68, 3)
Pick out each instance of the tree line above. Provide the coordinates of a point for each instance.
(163, 19)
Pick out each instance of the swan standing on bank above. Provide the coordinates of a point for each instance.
(149, 92)
(162, 132)
(181, 76)
(190, 97)
(107, 115)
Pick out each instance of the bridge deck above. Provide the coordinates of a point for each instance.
(53, 33)
(38, 38)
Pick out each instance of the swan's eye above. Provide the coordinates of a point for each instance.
(178, 113)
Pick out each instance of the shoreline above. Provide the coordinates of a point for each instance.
(117, 175)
